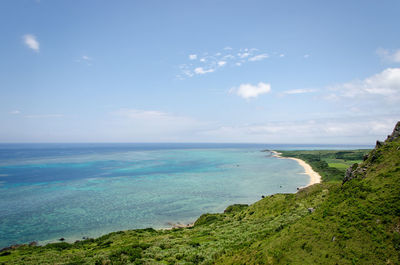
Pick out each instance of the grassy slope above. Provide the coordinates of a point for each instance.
(357, 223)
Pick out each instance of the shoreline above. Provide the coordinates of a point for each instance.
(314, 179)
(177, 226)
(314, 176)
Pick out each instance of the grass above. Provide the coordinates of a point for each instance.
(354, 223)
(330, 164)
(340, 166)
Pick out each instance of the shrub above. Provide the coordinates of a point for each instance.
(235, 208)
(58, 246)
(126, 253)
(207, 218)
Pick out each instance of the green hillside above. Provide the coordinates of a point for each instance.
(331, 164)
(356, 221)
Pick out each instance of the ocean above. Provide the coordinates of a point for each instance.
(71, 191)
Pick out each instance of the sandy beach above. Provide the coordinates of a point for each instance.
(314, 176)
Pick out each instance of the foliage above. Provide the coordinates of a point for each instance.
(330, 164)
(354, 223)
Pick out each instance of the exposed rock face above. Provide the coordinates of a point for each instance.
(352, 172)
(359, 170)
(395, 134)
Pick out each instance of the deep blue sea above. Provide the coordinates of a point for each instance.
(49, 191)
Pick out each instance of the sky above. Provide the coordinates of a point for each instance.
(322, 72)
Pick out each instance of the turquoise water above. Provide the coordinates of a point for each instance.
(74, 191)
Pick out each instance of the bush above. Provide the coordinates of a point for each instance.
(207, 218)
(59, 246)
(126, 253)
(235, 208)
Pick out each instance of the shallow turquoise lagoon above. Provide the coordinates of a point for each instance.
(74, 191)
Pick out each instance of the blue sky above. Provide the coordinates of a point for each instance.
(199, 71)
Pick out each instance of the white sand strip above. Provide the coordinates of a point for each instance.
(314, 176)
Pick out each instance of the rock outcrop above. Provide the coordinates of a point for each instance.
(395, 134)
(357, 170)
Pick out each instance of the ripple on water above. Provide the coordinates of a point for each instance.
(89, 195)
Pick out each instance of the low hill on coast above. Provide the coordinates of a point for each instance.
(352, 217)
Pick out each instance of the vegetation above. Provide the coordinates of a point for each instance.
(330, 164)
(328, 223)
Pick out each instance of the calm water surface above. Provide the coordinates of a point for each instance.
(48, 191)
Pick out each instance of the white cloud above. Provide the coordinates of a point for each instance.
(15, 112)
(385, 85)
(248, 91)
(229, 56)
(131, 125)
(282, 55)
(142, 114)
(151, 117)
(85, 59)
(39, 116)
(390, 56)
(207, 62)
(31, 42)
(185, 70)
(221, 63)
(364, 130)
(187, 73)
(298, 91)
(259, 57)
(243, 55)
(201, 70)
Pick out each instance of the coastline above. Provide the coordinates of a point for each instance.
(314, 176)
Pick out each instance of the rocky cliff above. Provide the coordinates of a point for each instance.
(359, 170)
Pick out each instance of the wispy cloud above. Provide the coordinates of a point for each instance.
(85, 59)
(152, 125)
(299, 91)
(248, 91)
(202, 71)
(243, 55)
(39, 116)
(357, 130)
(385, 85)
(259, 57)
(389, 55)
(221, 63)
(207, 62)
(31, 42)
(142, 114)
(15, 112)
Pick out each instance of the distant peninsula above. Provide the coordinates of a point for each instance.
(351, 217)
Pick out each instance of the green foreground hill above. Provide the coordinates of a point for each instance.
(355, 221)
